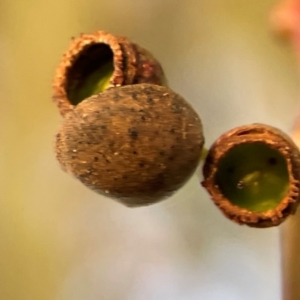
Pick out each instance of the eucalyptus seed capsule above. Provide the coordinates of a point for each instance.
(95, 62)
(252, 174)
(137, 143)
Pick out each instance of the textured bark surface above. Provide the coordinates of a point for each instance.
(137, 143)
(275, 139)
(132, 64)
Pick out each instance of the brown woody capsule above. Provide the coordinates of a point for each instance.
(136, 143)
(252, 174)
(98, 61)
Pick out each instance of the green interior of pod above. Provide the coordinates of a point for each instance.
(253, 176)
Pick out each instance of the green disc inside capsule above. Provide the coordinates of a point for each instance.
(253, 176)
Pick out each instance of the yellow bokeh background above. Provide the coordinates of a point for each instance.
(58, 240)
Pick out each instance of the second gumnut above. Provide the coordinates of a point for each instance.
(97, 61)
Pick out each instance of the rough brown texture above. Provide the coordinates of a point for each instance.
(136, 143)
(248, 134)
(132, 64)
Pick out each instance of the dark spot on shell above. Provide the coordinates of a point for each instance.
(134, 96)
(141, 164)
(103, 126)
(116, 97)
(143, 118)
(162, 153)
(134, 152)
(133, 133)
(96, 158)
(172, 130)
(150, 100)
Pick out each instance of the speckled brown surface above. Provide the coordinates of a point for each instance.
(277, 140)
(137, 143)
(132, 64)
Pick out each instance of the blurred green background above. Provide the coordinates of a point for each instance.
(61, 241)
